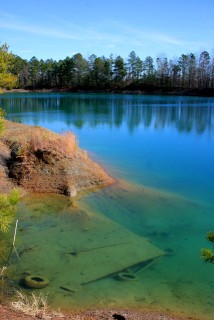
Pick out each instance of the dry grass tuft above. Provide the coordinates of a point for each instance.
(69, 142)
(31, 305)
(35, 306)
(36, 138)
(65, 144)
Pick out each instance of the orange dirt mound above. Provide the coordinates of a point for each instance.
(39, 160)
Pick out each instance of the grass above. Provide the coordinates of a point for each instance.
(36, 306)
(35, 138)
(42, 140)
(69, 142)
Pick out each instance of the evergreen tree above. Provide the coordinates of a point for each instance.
(80, 70)
(134, 66)
(148, 71)
(185, 72)
(34, 72)
(7, 209)
(119, 71)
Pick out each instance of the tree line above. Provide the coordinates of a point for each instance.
(189, 71)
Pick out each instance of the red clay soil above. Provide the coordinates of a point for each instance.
(39, 160)
(7, 313)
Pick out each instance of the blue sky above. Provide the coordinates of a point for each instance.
(56, 29)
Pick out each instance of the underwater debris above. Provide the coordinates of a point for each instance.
(35, 282)
(76, 252)
(123, 276)
(67, 289)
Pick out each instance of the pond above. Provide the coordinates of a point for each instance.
(161, 150)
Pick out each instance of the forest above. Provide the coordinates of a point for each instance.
(189, 72)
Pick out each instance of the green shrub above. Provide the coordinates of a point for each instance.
(7, 209)
(207, 254)
(2, 113)
(210, 236)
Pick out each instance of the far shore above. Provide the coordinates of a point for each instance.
(167, 92)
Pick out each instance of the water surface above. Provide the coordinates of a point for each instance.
(161, 149)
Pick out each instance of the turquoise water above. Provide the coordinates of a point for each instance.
(161, 149)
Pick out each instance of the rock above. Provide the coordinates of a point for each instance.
(71, 191)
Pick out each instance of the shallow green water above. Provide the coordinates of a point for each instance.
(162, 151)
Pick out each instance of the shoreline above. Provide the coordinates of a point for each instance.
(8, 312)
(184, 92)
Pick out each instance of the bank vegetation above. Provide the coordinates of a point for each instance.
(188, 74)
